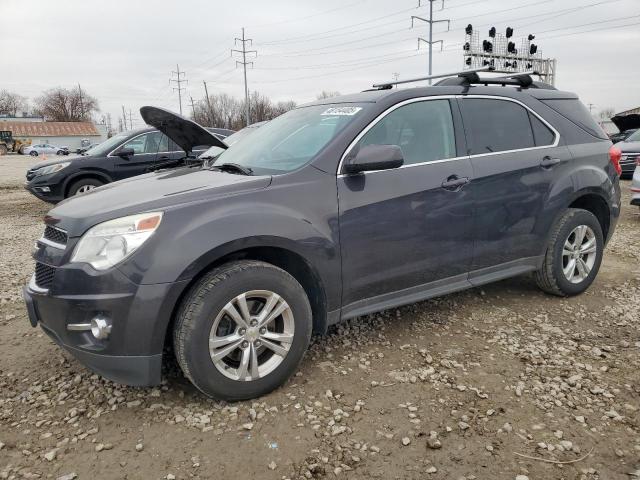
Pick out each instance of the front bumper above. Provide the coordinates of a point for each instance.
(45, 189)
(140, 314)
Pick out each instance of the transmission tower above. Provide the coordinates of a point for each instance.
(244, 41)
(179, 80)
(431, 41)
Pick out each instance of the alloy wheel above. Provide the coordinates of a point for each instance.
(251, 335)
(579, 254)
(85, 188)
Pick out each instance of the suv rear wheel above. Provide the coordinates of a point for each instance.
(573, 255)
(242, 330)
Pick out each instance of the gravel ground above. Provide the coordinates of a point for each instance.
(500, 382)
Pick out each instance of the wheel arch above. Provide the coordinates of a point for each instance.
(594, 202)
(95, 174)
(275, 251)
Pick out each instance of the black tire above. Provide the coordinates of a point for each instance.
(60, 152)
(83, 182)
(551, 278)
(201, 306)
(33, 153)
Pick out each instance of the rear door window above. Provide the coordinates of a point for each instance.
(542, 134)
(495, 125)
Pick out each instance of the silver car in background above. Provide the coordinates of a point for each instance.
(45, 149)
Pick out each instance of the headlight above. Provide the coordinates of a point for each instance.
(108, 243)
(51, 169)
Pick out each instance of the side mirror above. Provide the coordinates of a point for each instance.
(375, 157)
(126, 152)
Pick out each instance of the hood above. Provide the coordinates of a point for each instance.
(186, 133)
(626, 122)
(153, 191)
(628, 146)
(46, 163)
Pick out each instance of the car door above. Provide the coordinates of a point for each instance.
(147, 148)
(515, 155)
(407, 231)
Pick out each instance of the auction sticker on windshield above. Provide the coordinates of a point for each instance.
(348, 111)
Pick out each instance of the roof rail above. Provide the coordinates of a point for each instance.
(464, 74)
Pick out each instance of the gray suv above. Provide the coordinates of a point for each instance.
(339, 208)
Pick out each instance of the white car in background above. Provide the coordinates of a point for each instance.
(45, 149)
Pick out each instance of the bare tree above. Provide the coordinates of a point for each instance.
(228, 112)
(64, 105)
(327, 94)
(12, 103)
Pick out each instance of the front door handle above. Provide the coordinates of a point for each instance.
(548, 162)
(455, 183)
(164, 158)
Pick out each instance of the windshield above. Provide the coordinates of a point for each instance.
(634, 137)
(291, 140)
(108, 145)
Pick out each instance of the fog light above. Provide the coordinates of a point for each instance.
(100, 327)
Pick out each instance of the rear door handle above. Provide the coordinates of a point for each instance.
(548, 162)
(455, 183)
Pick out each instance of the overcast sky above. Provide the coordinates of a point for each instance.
(123, 52)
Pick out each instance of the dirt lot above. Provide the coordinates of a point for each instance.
(492, 383)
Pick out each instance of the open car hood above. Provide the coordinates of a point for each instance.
(186, 133)
(626, 122)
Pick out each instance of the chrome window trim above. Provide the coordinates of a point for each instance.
(446, 97)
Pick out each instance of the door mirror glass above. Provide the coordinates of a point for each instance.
(126, 152)
(375, 157)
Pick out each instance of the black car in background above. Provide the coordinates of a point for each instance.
(122, 156)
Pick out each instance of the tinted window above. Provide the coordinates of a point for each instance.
(148, 143)
(576, 112)
(423, 130)
(496, 125)
(541, 133)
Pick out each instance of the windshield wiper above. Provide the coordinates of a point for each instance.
(233, 167)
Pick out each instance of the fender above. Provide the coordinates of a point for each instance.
(581, 181)
(85, 173)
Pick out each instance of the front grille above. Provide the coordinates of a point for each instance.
(55, 235)
(44, 275)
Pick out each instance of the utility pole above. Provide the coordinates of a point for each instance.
(590, 105)
(193, 108)
(130, 120)
(124, 117)
(430, 42)
(206, 94)
(81, 104)
(395, 76)
(179, 80)
(244, 64)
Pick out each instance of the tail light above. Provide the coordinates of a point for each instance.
(614, 155)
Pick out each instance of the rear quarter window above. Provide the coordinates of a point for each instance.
(573, 110)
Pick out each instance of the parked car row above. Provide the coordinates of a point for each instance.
(336, 209)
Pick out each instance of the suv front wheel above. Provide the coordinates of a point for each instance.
(573, 255)
(242, 330)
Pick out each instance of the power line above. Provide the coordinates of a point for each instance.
(431, 41)
(313, 15)
(244, 64)
(179, 80)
